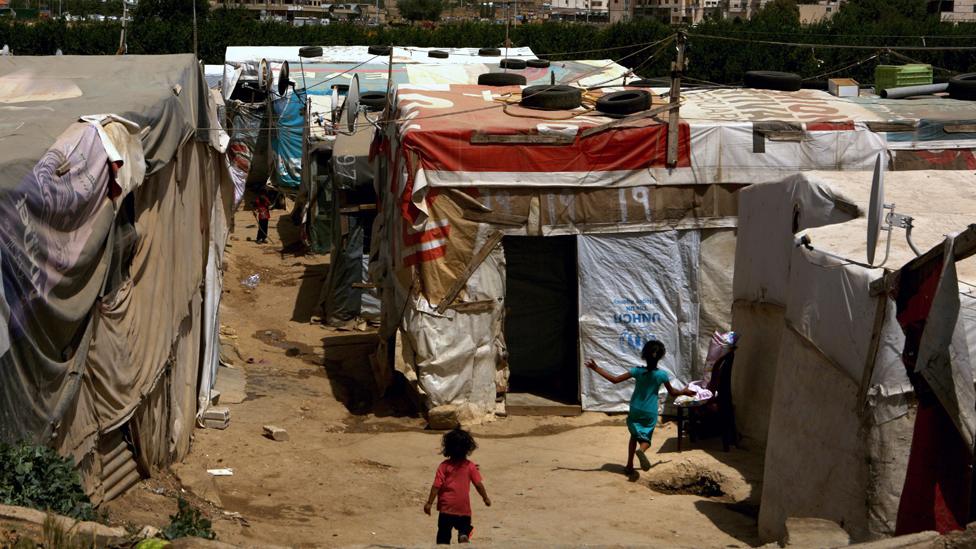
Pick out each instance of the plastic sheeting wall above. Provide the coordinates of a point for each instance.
(457, 353)
(635, 288)
(287, 141)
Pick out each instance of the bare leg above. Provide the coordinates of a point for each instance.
(645, 445)
(631, 448)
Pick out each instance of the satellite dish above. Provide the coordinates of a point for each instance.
(264, 75)
(283, 79)
(352, 103)
(875, 209)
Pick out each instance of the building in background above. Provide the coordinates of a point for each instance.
(955, 11)
(678, 11)
(579, 10)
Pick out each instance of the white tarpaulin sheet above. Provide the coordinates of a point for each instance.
(360, 54)
(635, 288)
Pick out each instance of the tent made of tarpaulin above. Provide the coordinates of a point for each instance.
(113, 219)
(595, 258)
(352, 171)
(821, 362)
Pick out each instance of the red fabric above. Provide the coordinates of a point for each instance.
(936, 495)
(453, 482)
(262, 206)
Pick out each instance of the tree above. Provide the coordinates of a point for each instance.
(420, 10)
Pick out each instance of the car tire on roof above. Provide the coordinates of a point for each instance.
(438, 54)
(772, 80)
(373, 100)
(489, 52)
(516, 64)
(624, 102)
(501, 79)
(551, 97)
(963, 86)
(538, 63)
(310, 51)
(379, 50)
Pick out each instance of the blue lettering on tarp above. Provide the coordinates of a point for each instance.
(636, 318)
(630, 341)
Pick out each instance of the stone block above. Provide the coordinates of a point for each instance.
(275, 433)
(814, 533)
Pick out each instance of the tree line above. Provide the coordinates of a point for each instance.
(719, 51)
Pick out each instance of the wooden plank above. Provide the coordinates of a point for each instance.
(868, 373)
(363, 285)
(675, 96)
(525, 404)
(495, 218)
(965, 246)
(476, 260)
(959, 128)
(480, 138)
(619, 122)
(472, 307)
(892, 126)
(358, 209)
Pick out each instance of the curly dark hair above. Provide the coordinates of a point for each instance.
(457, 444)
(653, 352)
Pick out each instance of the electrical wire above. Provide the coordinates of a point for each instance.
(831, 35)
(910, 60)
(833, 46)
(851, 66)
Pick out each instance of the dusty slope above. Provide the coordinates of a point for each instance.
(346, 479)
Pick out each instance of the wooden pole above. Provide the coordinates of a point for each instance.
(674, 116)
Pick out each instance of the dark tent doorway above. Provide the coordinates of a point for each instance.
(542, 320)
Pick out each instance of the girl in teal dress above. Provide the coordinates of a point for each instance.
(642, 417)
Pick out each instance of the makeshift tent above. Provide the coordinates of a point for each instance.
(463, 175)
(830, 345)
(351, 176)
(113, 214)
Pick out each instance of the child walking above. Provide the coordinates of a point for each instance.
(262, 210)
(452, 485)
(642, 417)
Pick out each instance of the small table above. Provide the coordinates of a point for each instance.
(682, 416)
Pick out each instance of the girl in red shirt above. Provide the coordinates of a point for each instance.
(452, 484)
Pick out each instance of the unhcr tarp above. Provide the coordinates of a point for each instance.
(107, 224)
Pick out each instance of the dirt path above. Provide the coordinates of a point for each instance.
(346, 479)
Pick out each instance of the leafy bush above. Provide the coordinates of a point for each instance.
(36, 476)
(187, 522)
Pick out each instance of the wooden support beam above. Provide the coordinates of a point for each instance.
(480, 138)
(476, 260)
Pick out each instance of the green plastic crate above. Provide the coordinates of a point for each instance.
(897, 76)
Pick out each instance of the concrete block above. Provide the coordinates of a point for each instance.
(275, 433)
(921, 540)
(814, 533)
(443, 417)
(216, 423)
(218, 413)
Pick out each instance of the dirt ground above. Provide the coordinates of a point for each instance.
(356, 473)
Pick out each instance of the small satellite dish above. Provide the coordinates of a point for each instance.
(264, 75)
(352, 103)
(283, 79)
(875, 209)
